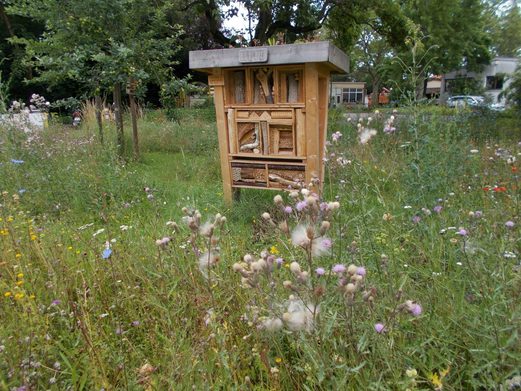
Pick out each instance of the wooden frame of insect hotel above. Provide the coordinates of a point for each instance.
(271, 108)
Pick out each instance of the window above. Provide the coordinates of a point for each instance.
(494, 82)
(352, 95)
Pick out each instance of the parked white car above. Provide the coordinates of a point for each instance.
(465, 100)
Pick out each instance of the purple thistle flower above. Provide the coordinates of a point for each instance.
(415, 309)
(288, 209)
(437, 208)
(323, 206)
(301, 206)
(56, 302)
(478, 214)
(361, 271)
(379, 328)
(416, 219)
(462, 232)
(339, 268)
(320, 271)
(279, 262)
(136, 323)
(326, 243)
(510, 224)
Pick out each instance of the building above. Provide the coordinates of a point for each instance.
(433, 88)
(347, 93)
(493, 79)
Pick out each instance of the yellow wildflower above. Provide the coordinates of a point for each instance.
(69, 248)
(435, 380)
(18, 255)
(278, 360)
(274, 250)
(19, 296)
(8, 294)
(19, 283)
(10, 218)
(34, 237)
(20, 275)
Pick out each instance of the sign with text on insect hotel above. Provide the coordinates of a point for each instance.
(271, 110)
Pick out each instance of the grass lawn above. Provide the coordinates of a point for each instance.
(404, 274)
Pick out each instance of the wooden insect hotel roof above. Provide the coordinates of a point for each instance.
(316, 52)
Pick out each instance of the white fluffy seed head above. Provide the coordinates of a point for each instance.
(262, 264)
(266, 216)
(352, 269)
(350, 288)
(287, 284)
(278, 199)
(294, 267)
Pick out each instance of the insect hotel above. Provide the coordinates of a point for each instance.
(271, 109)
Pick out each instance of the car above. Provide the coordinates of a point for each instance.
(499, 107)
(465, 100)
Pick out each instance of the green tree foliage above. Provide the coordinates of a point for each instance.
(508, 32)
(99, 43)
(513, 91)
(12, 65)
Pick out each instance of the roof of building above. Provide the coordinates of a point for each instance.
(322, 52)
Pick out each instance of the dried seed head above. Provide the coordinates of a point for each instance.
(324, 227)
(287, 284)
(352, 269)
(310, 232)
(294, 267)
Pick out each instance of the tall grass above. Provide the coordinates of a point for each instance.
(89, 301)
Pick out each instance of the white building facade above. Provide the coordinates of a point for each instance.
(494, 78)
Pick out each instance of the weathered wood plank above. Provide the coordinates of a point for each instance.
(312, 122)
(300, 134)
(216, 79)
(232, 131)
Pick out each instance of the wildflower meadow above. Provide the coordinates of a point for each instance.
(402, 273)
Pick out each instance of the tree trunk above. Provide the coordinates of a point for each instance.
(119, 119)
(375, 95)
(133, 115)
(6, 20)
(98, 104)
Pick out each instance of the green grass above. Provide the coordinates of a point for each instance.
(74, 320)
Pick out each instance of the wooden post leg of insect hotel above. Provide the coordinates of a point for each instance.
(271, 113)
(216, 80)
(312, 125)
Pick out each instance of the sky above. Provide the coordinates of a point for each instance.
(238, 24)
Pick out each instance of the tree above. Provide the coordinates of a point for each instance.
(12, 64)
(513, 91)
(508, 34)
(102, 45)
(427, 37)
(370, 57)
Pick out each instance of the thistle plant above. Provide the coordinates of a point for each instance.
(305, 223)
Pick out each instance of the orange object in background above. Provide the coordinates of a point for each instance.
(383, 97)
